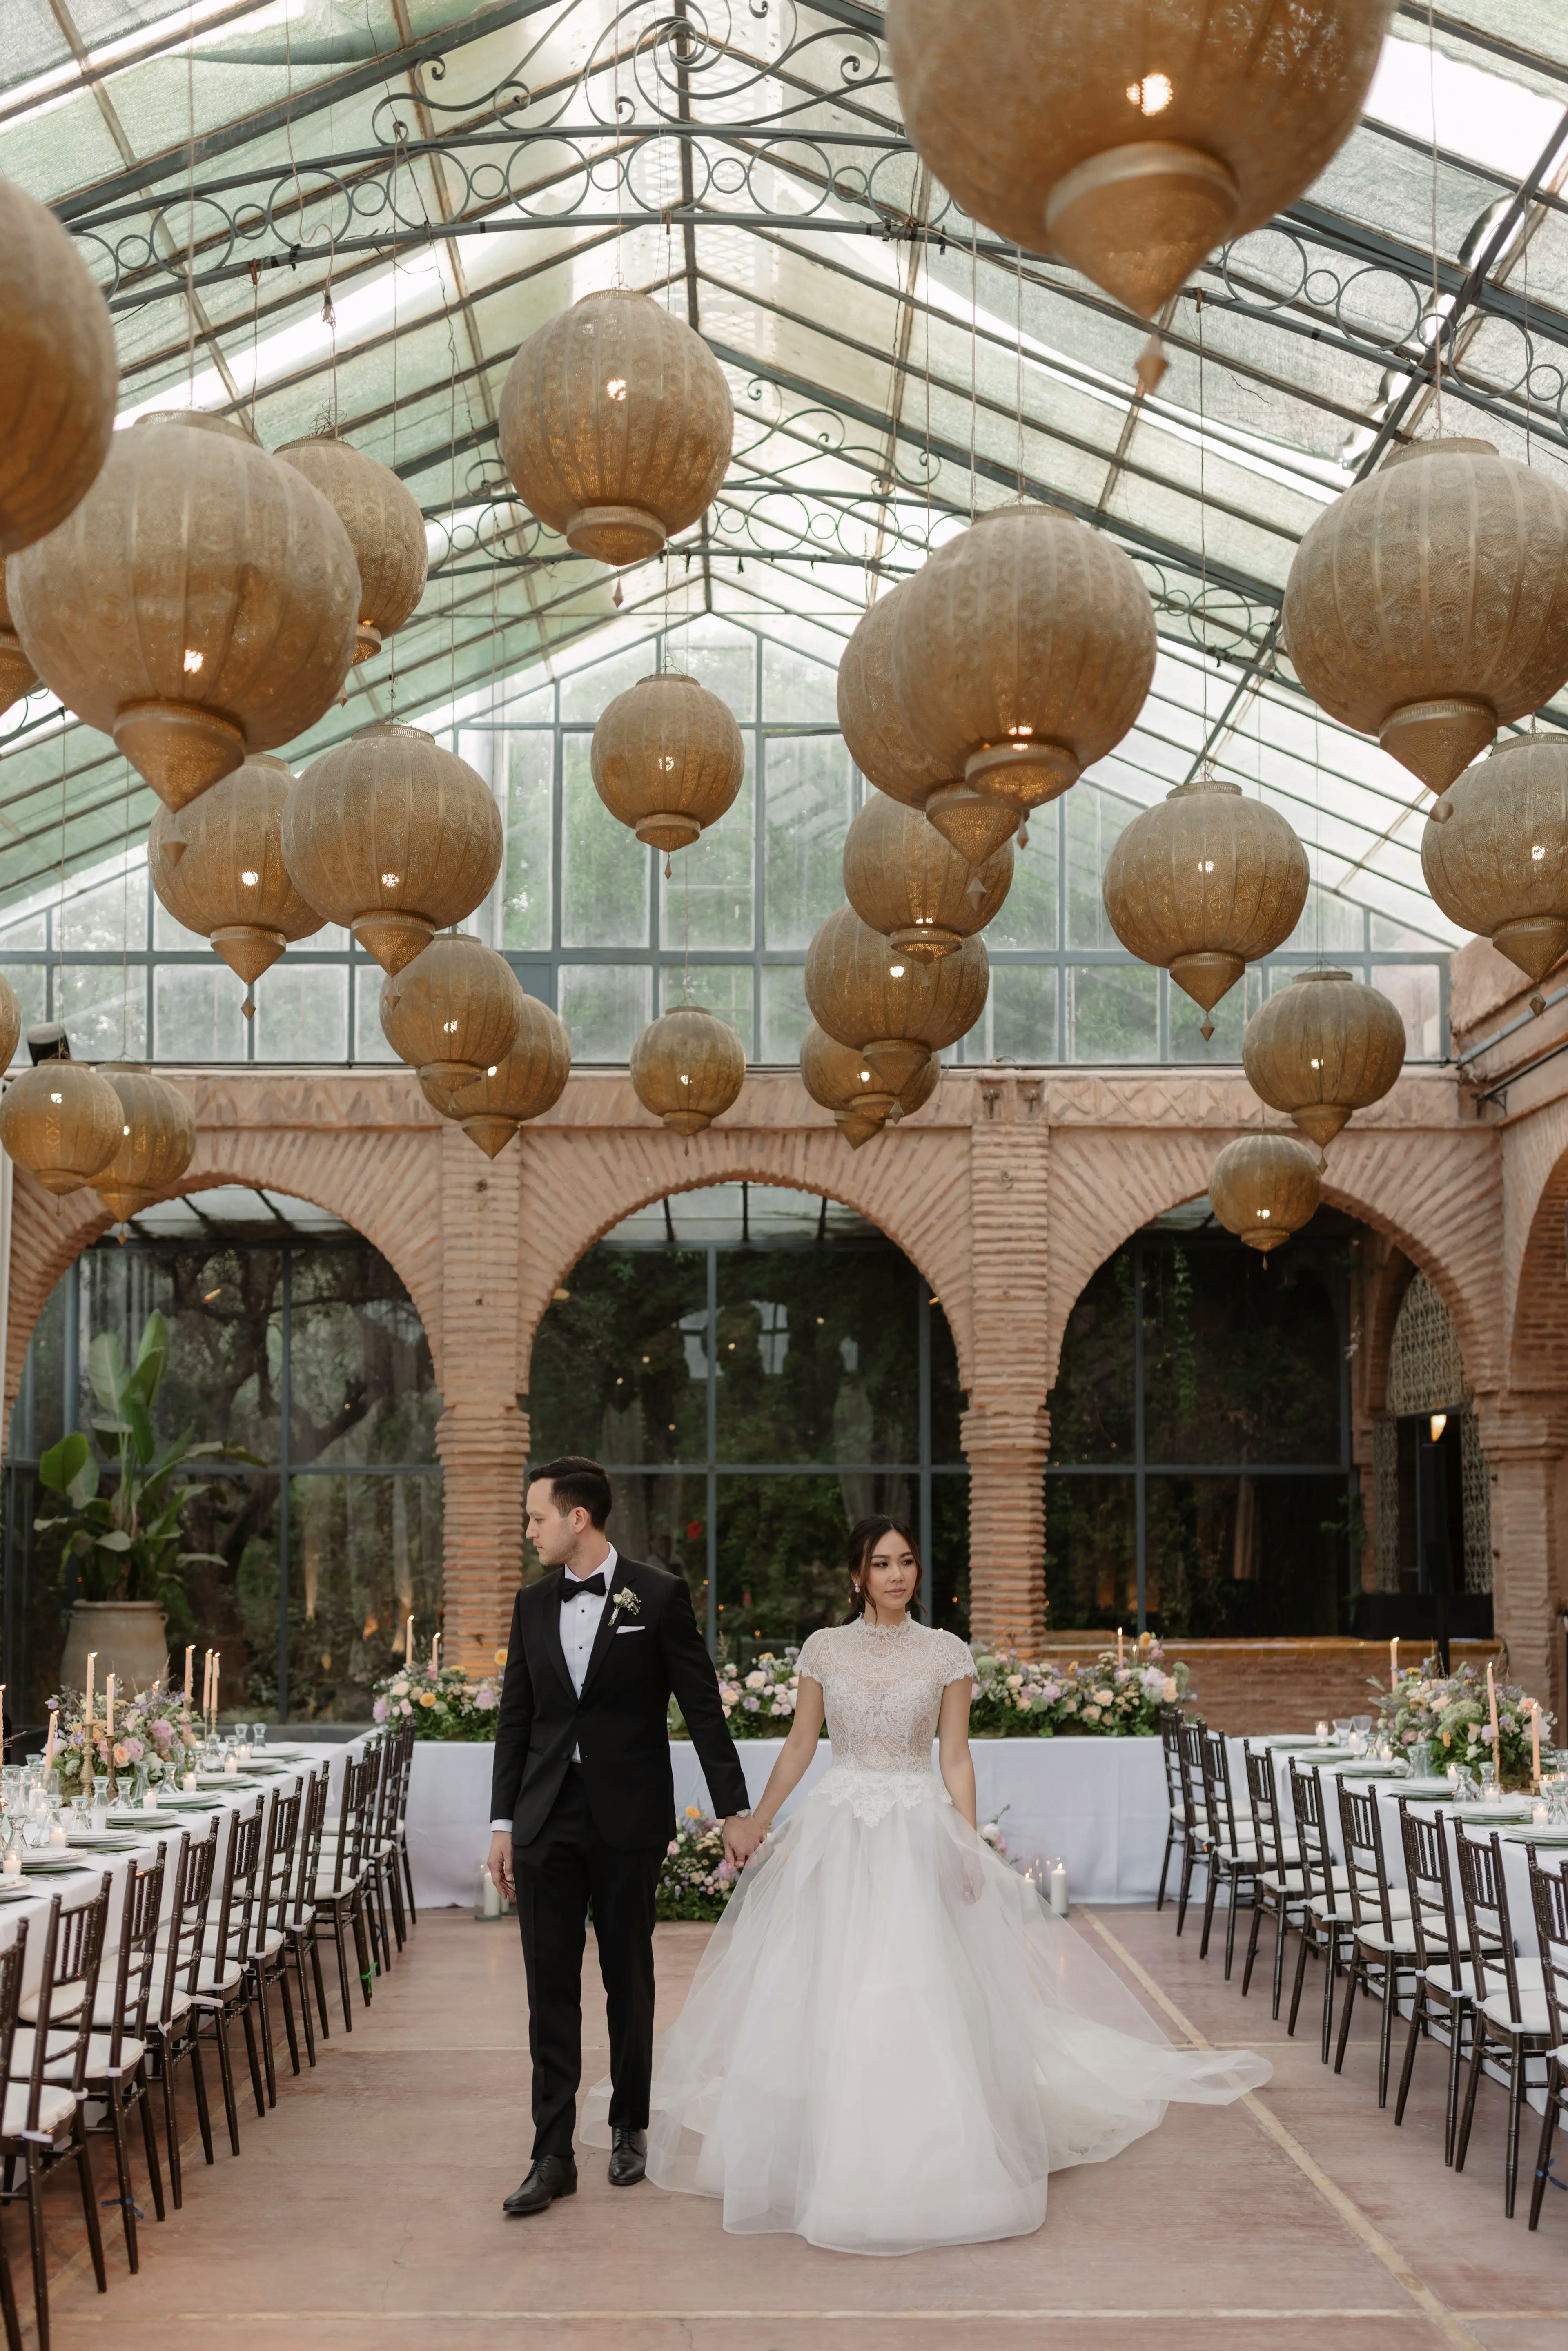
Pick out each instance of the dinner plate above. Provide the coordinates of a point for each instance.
(1292, 1740)
(50, 1865)
(1529, 1834)
(1493, 1815)
(1430, 1791)
(99, 1841)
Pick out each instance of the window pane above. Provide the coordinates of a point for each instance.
(234, 1608)
(32, 932)
(526, 886)
(781, 1552)
(603, 1005)
(707, 901)
(104, 1009)
(1023, 1012)
(302, 1012)
(30, 981)
(1094, 818)
(370, 1038)
(1329, 924)
(605, 866)
(663, 1517)
(584, 695)
(1263, 1558)
(723, 657)
(1027, 916)
(620, 1364)
(365, 1556)
(1229, 1017)
(1242, 1359)
(784, 1014)
(726, 988)
(1413, 987)
(196, 1013)
(1115, 1012)
(224, 1307)
(104, 920)
(1091, 1554)
(362, 1389)
(808, 810)
(817, 1356)
(950, 1554)
(796, 689)
(1091, 1403)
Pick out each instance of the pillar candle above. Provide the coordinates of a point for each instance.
(1491, 1702)
(1393, 1663)
(1535, 1741)
(189, 1655)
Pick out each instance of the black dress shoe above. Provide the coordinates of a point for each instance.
(552, 2176)
(628, 2157)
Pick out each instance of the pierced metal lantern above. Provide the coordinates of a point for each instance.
(1322, 1049)
(1495, 850)
(217, 867)
(17, 675)
(667, 760)
(394, 837)
(894, 1010)
(1203, 883)
(907, 881)
(1264, 1187)
(60, 374)
(688, 1068)
(452, 1013)
(62, 1123)
(10, 1024)
(385, 527)
(529, 1082)
(1131, 139)
(1429, 604)
(842, 1079)
(616, 425)
(157, 1140)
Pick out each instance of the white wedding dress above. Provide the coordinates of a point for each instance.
(889, 2042)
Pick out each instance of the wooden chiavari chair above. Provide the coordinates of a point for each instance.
(117, 2052)
(1280, 1891)
(1382, 1950)
(1549, 1900)
(340, 1892)
(267, 1958)
(1176, 1801)
(301, 1942)
(14, 2098)
(1195, 1844)
(1511, 2025)
(219, 1990)
(1232, 1856)
(1326, 1921)
(173, 2027)
(1443, 1996)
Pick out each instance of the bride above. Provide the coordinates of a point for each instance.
(889, 2042)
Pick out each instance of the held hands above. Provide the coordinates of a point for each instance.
(499, 1863)
(741, 1839)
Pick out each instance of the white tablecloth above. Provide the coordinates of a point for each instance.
(1097, 1804)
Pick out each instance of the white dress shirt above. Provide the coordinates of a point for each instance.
(579, 1618)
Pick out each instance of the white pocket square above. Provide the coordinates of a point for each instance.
(621, 1630)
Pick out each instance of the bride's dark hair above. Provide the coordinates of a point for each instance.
(864, 1536)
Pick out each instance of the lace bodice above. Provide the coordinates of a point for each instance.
(882, 1691)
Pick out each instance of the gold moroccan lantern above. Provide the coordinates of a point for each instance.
(62, 1123)
(1429, 604)
(452, 1013)
(1130, 140)
(529, 1082)
(385, 527)
(1021, 652)
(10, 1024)
(842, 1079)
(1265, 1188)
(918, 1091)
(17, 675)
(667, 760)
(1321, 1048)
(394, 838)
(217, 867)
(58, 372)
(688, 1068)
(907, 881)
(616, 425)
(157, 1140)
(1203, 883)
(894, 1010)
(1495, 850)
(198, 604)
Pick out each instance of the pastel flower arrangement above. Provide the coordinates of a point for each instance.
(758, 1700)
(439, 1701)
(1102, 1698)
(1452, 1714)
(154, 1727)
(696, 1881)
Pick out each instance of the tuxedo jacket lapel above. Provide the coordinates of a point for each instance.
(549, 1604)
(607, 1623)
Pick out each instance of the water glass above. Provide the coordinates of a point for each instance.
(1419, 1757)
(1343, 1727)
(258, 1737)
(1361, 1722)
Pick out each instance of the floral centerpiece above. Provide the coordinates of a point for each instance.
(758, 1701)
(1450, 1712)
(1107, 1698)
(696, 1881)
(439, 1701)
(155, 1727)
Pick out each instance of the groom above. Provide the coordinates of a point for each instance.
(582, 1803)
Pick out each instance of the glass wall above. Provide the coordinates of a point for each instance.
(758, 1368)
(293, 1341)
(1200, 1478)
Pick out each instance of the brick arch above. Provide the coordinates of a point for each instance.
(1537, 1350)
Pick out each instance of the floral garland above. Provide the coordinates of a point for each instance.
(695, 1881)
(1452, 1714)
(153, 1727)
(1015, 1697)
(441, 1702)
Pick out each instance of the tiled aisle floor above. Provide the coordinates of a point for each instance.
(364, 2213)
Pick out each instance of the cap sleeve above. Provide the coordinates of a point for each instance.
(812, 1660)
(956, 1660)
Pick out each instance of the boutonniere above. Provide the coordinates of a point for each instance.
(625, 1602)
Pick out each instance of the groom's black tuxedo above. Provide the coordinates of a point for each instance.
(592, 1833)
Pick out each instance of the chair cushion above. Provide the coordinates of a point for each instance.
(99, 2049)
(1533, 2016)
(56, 2108)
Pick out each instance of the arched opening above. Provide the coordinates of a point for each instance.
(757, 1367)
(295, 1341)
(1431, 1503)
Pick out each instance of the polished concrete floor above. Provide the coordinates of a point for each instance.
(364, 2213)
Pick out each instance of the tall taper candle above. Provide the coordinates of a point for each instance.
(1118, 1644)
(189, 1655)
(91, 1661)
(218, 1659)
(1491, 1702)
(434, 1655)
(49, 1743)
(1393, 1663)
(408, 1643)
(108, 1697)
(1535, 1743)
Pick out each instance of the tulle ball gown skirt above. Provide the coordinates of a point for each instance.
(889, 2044)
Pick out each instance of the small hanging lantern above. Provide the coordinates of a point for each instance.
(907, 881)
(1495, 850)
(157, 1140)
(10, 1024)
(452, 1013)
(529, 1082)
(60, 374)
(1321, 1048)
(841, 1079)
(688, 1068)
(880, 1002)
(217, 867)
(1264, 1187)
(667, 760)
(17, 675)
(62, 1123)
(385, 527)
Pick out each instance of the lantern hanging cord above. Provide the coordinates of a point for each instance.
(974, 361)
(190, 204)
(1018, 338)
(1436, 313)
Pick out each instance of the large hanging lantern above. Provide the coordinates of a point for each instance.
(385, 527)
(667, 760)
(1021, 652)
(616, 425)
(217, 867)
(1429, 604)
(58, 372)
(1264, 1187)
(198, 604)
(452, 1013)
(1495, 852)
(841, 1079)
(157, 1142)
(1203, 883)
(17, 675)
(688, 1068)
(907, 881)
(1130, 140)
(62, 1123)
(918, 1089)
(529, 1082)
(10, 1024)
(1321, 1048)
(394, 838)
(894, 1010)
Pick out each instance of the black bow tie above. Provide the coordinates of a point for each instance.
(594, 1584)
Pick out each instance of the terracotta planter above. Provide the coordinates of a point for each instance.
(131, 1641)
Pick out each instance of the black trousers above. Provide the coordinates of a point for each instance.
(567, 1867)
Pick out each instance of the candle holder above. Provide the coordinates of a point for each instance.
(100, 1800)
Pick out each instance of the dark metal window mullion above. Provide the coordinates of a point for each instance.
(923, 1329)
(285, 1407)
(712, 1450)
(1140, 1471)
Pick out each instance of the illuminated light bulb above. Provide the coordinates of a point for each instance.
(1152, 95)
(449, 1028)
(1537, 851)
(491, 1072)
(250, 880)
(54, 1097)
(685, 1080)
(666, 762)
(865, 1080)
(193, 661)
(1263, 1215)
(616, 387)
(895, 971)
(1315, 1064)
(1205, 864)
(1439, 1421)
(389, 881)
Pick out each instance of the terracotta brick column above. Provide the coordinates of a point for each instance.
(1006, 1431)
(1525, 1440)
